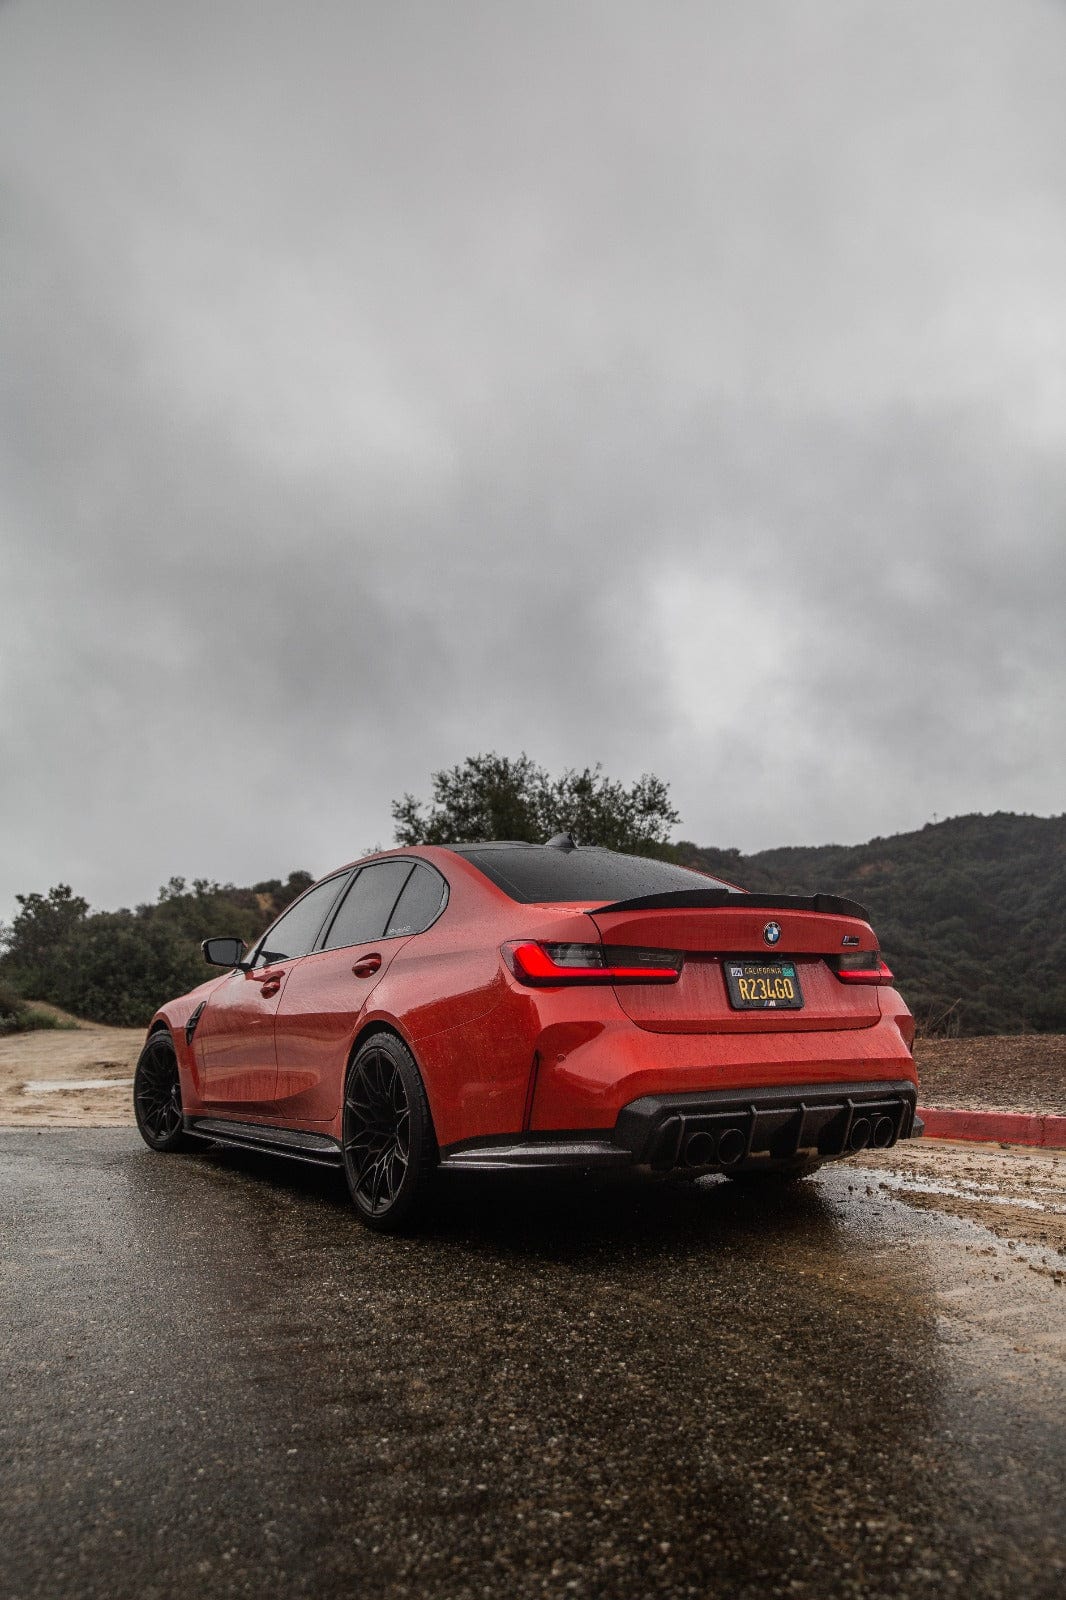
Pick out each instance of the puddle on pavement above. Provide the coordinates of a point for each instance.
(963, 1189)
(60, 1085)
(999, 1296)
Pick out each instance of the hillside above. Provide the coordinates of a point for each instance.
(971, 913)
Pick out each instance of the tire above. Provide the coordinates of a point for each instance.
(387, 1140)
(775, 1177)
(157, 1096)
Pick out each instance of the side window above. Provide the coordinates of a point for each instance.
(297, 929)
(422, 898)
(368, 904)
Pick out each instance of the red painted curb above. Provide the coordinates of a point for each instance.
(1004, 1127)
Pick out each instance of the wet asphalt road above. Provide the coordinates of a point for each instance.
(214, 1382)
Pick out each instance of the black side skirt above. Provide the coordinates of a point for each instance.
(318, 1148)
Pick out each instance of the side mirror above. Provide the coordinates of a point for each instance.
(223, 952)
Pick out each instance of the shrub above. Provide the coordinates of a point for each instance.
(18, 1016)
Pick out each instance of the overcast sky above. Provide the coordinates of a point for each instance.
(679, 386)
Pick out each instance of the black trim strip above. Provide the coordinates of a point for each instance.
(530, 1154)
(549, 1136)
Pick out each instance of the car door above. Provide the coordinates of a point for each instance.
(327, 992)
(235, 1036)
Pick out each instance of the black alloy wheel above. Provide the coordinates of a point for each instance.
(157, 1096)
(387, 1137)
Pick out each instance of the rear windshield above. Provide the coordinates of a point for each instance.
(535, 872)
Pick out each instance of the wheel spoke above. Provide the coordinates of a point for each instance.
(379, 1172)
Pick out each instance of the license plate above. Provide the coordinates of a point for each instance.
(763, 985)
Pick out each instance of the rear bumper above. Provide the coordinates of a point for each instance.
(587, 1077)
(715, 1131)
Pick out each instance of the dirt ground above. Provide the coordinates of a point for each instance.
(1018, 1072)
(89, 1053)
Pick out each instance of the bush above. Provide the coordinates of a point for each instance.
(17, 1016)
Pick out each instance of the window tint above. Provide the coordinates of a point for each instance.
(533, 872)
(422, 897)
(296, 931)
(366, 907)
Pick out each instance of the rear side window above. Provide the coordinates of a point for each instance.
(534, 872)
(296, 931)
(367, 906)
(418, 905)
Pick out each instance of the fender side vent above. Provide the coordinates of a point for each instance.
(190, 1026)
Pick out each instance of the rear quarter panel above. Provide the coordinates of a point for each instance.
(472, 1030)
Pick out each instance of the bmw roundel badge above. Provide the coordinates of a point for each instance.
(772, 932)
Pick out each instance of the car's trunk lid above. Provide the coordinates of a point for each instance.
(711, 928)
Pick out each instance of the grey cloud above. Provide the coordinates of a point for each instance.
(674, 387)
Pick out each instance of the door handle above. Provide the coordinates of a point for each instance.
(270, 982)
(366, 966)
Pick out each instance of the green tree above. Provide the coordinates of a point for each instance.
(497, 797)
(117, 966)
(38, 941)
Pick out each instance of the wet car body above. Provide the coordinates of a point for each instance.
(680, 1025)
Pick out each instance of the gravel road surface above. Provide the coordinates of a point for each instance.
(216, 1383)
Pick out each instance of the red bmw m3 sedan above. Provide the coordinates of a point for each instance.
(489, 1006)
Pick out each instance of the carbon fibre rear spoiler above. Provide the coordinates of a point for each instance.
(716, 899)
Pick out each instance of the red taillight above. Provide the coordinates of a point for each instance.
(552, 964)
(862, 966)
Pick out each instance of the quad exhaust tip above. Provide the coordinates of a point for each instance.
(861, 1133)
(731, 1146)
(702, 1149)
(699, 1149)
(877, 1132)
(705, 1147)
